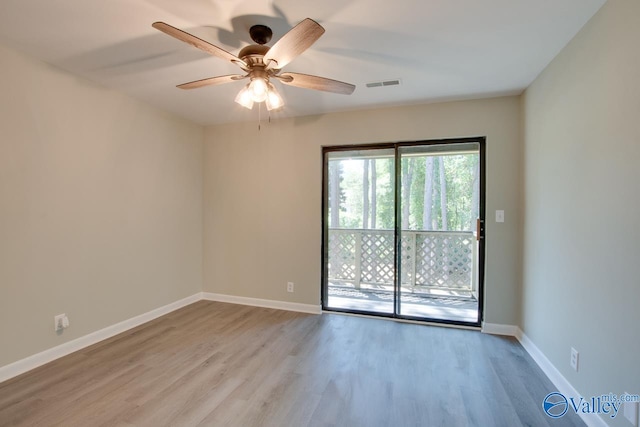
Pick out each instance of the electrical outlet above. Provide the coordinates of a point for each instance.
(289, 286)
(58, 322)
(631, 412)
(574, 359)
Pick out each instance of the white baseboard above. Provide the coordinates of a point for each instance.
(556, 377)
(545, 364)
(21, 366)
(266, 303)
(499, 329)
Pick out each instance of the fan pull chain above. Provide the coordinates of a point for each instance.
(260, 117)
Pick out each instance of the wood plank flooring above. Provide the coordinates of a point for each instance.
(216, 364)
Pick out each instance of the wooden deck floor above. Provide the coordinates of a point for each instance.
(433, 307)
(216, 364)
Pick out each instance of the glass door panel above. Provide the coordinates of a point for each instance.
(359, 233)
(439, 209)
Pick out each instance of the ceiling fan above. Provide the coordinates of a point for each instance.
(262, 63)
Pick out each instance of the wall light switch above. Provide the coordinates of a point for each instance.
(500, 216)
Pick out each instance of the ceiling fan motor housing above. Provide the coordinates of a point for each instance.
(260, 34)
(253, 55)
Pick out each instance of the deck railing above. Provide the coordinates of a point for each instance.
(430, 260)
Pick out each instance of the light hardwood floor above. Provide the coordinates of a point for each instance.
(216, 364)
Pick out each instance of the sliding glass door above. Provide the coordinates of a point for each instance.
(359, 230)
(439, 213)
(402, 230)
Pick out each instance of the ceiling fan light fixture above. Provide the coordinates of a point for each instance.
(274, 101)
(245, 98)
(259, 89)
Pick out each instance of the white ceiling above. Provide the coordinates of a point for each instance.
(439, 49)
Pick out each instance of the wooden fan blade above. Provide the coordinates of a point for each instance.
(316, 83)
(198, 43)
(292, 44)
(211, 81)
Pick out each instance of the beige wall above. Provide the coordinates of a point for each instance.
(582, 205)
(262, 195)
(100, 207)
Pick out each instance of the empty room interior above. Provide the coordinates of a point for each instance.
(413, 214)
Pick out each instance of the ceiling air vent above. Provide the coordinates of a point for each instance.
(384, 83)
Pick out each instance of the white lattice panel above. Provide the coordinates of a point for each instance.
(444, 260)
(342, 255)
(377, 257)
(428, 259)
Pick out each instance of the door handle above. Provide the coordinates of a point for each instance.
(479, 229)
